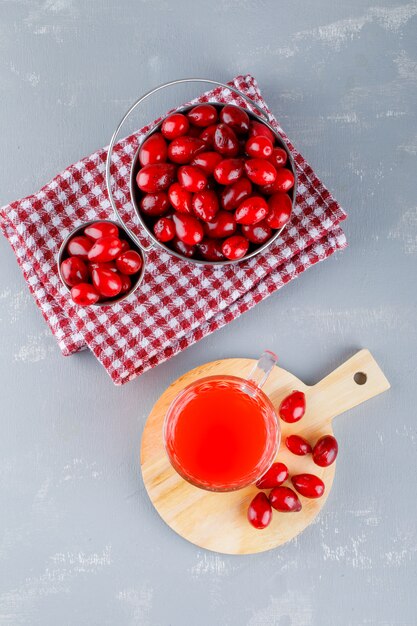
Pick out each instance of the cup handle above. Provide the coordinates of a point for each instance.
(263, 368)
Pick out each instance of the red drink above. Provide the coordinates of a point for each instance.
(221, 433)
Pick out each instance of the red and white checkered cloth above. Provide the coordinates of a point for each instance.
(178, 302)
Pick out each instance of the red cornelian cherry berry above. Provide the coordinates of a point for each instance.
(174, 126)
(84, 294)
(111, 265)
(126, 283)
(235, 247)
(236, 118)
(183, 248)
(284, 180)
(260, 171)
(260, 511)
(225, 141)
(325, 451)
(285, 500)
(252, 210)
(211, 250)
(180, 198)
(192, 178)
(129, 262)
(223, 225)
(268, 190)
(278, 157)
(280, 208)
(154, 203)
(74, 271)
(308, 485)
(207, 161)
(202, 115)
(257, 233)
(242, 144)
(292, 407)
(164, 229)
(125, 245)
(79, 246)
(194, 131)
(274, 477)
(229, 171)
(298, 445)
(156, 177)
(232, 195)
(183, 149)
(97, 230)
(205, 205)
(153, 150)
(259, 147)
(105, 249)
(207, 135)
(188, 228)
(258, 128)
(106, 282)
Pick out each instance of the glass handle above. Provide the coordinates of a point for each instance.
(263, 368)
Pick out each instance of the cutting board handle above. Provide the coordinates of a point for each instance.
(355, 381)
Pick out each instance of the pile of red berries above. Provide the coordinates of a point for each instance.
(283, 498)
(99, 264)
(213, 183)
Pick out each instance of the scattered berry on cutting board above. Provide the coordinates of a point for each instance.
(281, 497)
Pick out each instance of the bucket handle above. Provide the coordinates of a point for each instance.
(127, 114)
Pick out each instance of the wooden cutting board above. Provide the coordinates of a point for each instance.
(217, 521)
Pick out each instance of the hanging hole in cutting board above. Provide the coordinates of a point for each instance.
(360, 378)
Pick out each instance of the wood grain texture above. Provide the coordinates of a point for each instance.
(217, 521)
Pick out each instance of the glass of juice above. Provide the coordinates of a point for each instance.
(222, 433)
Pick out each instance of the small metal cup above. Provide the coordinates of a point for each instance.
(62, 255)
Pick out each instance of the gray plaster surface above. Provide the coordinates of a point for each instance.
(80, 543)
